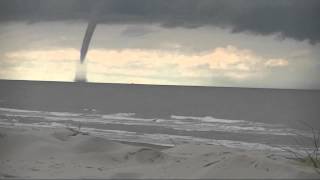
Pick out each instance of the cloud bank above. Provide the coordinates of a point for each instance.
(289, 18)
(227, 62)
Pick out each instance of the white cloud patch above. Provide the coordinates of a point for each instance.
(276, 63)
(45, 55)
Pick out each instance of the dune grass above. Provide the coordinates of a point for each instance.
(309, 157)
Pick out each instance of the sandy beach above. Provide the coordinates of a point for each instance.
(35, 152)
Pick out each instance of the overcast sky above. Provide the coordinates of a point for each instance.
(242, 43)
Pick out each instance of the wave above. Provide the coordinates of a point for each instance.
(181, 123)
(157, 139)
(206, 119)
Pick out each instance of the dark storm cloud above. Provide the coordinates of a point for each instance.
(298, 19)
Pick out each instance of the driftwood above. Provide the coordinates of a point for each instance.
(76, 132)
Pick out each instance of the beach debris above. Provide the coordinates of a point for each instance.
(211, 163)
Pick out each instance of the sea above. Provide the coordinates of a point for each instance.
(244, 118)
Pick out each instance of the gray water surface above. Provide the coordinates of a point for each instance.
(167, 115)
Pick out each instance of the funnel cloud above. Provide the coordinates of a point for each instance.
(81, 68)
(87, 39)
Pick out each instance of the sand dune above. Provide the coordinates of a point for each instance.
(59, 153)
